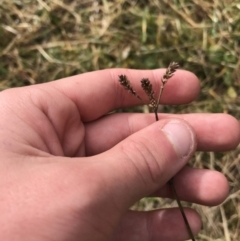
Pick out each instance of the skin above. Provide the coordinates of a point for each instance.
(70, 171)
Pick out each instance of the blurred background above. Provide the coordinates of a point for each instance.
(44, 40)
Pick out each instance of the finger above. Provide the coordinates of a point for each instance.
(146, 160)
(215, 132)
(97, 93)
(197, 186)
(157, 225)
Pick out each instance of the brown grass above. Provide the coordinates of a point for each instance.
(45, 40)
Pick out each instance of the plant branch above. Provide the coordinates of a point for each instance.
(169, 73)
(181, 209)
(147, 87)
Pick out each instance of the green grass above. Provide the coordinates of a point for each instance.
(47, 40)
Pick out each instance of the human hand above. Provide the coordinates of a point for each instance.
(69, 171)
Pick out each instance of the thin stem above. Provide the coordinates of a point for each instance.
(181, 209)
(171, 181)
(147, 87)
(158, 101)
(160, 93)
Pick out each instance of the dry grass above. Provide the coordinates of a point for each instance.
(45, 40)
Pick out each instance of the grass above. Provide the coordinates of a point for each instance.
(46, 40)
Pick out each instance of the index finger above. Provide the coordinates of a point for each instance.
(96, 93)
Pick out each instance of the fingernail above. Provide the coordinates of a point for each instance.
(181, 137)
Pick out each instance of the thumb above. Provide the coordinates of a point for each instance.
(146, 160)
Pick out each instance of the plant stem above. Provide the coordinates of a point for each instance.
(171, 181)
(160, 94)
(181, 209)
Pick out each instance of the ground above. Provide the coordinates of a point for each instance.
(45, 40)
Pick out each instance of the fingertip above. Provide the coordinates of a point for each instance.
(181, 136)
(184, 83)
(205, 187)
(194, 219)
(215, 132)
(209, 187)
(173, 220)
(211, 195)
(163, 224)
(233, 136)
(226, 132)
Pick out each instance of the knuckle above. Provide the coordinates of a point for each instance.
(144, 159)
